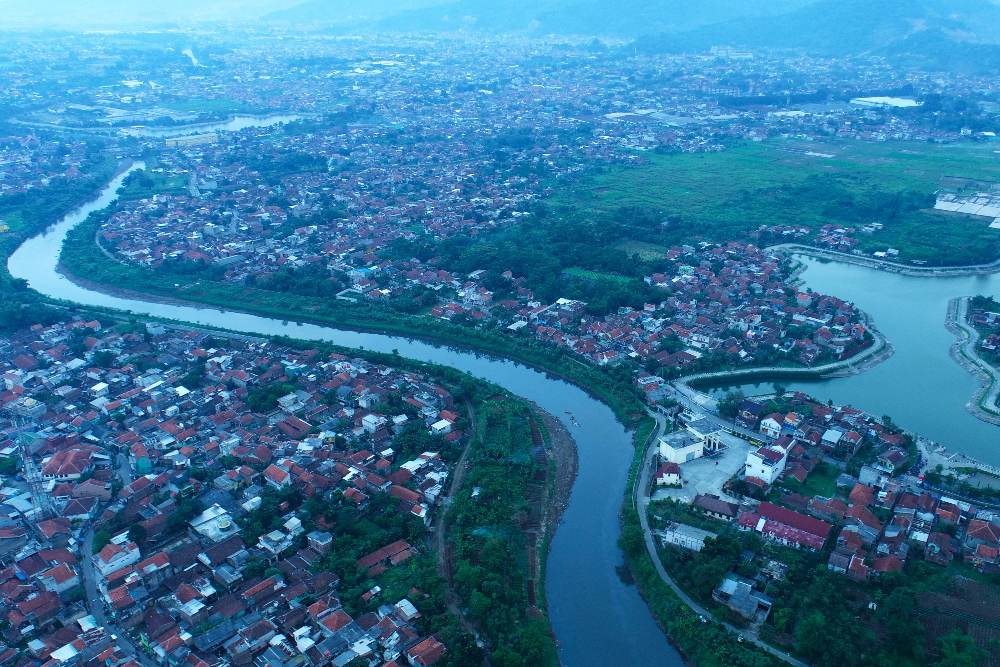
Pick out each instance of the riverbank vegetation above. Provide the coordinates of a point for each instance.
(26, 214)
(83, 258)
(489, 523)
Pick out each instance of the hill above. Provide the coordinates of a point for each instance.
(624, 18)
(954, 33)
(347, 12)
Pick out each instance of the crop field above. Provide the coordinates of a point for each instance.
(726, 195)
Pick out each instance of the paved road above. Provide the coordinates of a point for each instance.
(967, 354)
(885, 265)
(692, 401)
(641, 501)
(96, 605)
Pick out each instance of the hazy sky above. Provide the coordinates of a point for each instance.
(115, 13)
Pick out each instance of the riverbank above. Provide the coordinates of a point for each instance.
(965, 353)
(886, 265)
(880, 350)
(565, 458)
(596, 382)
(583, 553)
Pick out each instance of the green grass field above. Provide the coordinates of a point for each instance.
(597, 276)
(646, 251)
(148, 183)
(11, 222)
(725, 195)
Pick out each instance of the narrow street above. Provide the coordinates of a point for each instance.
(641, 502)
(96, 605)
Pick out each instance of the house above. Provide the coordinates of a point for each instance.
(441, 427)
(214, 524)
(277, 477)
(68, 465)
(739, 595)
(115, 555)
(686, 537)
(426, 652)
(59, 579)
(981, 533)
(771, 425)
(380, 560)
(716, 507)
(892, 460)
(748, 414)
(766, 463)
(940, 549)
(668, 474)
(786, 526)
(680, 447)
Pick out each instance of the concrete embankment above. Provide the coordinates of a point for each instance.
(886, 265)
(965, 353)
(880, 350)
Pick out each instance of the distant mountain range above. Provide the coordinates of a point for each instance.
(946, 34)
(357, 13)
(953, 35)
(621, 18)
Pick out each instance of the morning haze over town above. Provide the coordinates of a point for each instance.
(469, 333)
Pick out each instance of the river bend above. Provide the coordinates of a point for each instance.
(598, 619)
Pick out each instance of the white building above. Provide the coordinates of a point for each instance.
(214, 524)
(766, 463)
(681, 447)
(686, 537)
(441, 427)
(771, 425)
(116, 554)
(707, 431)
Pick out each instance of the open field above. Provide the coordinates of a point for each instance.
(726, 195)
(12, 221)
(149, 183)
(597, 276)
(645, 251)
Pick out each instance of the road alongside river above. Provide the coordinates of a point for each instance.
(920, 386)
(597, 618)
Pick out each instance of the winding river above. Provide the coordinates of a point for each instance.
(598, 619)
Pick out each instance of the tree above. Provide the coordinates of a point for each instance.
(730, 403)
(137, 533)
(959, 650)
(101, 539)
(903, 632)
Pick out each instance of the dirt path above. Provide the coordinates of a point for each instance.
(445, 553)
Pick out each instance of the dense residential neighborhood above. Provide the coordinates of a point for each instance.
(198, 492)
(572, 258)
